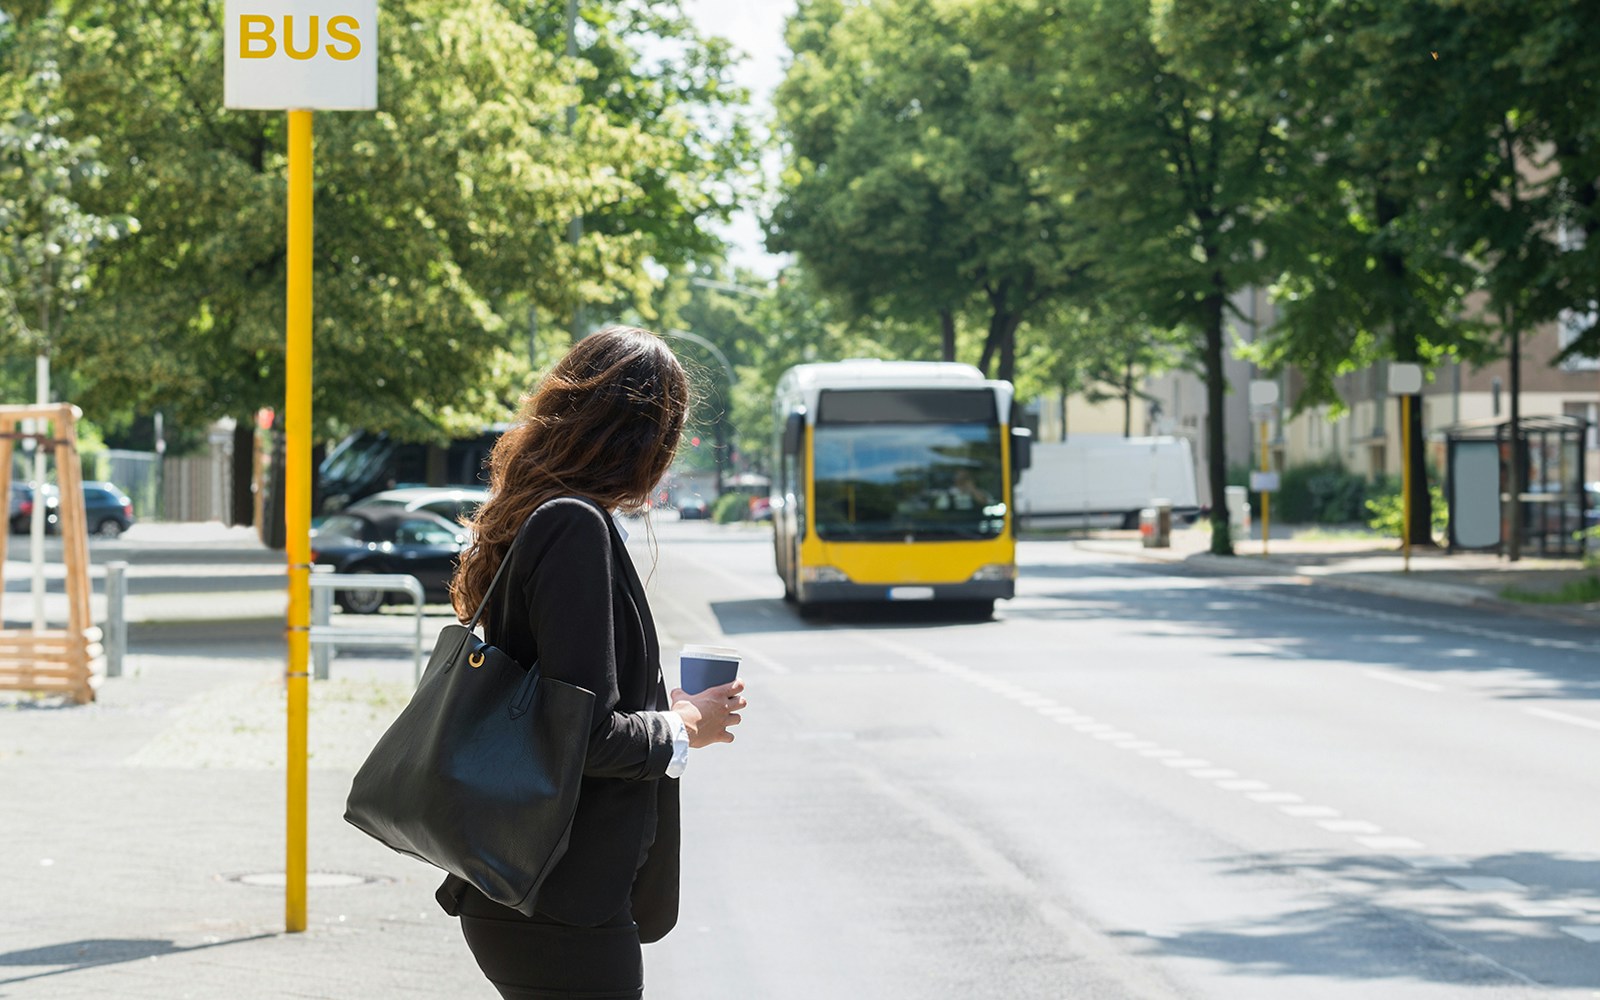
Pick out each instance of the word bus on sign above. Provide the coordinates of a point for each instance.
(311, 55)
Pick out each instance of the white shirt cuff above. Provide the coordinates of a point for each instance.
(680, 744)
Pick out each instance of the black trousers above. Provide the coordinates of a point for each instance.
(535, 958)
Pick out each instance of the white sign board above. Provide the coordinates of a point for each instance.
(1405, 379)
(1263, 392)
(301, 55)
(1264, 482)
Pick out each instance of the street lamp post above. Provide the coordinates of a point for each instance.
(721, 418)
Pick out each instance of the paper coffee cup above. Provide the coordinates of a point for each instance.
(701, 667)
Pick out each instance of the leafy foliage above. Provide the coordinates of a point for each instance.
(904, 193)
(47, 238)
(442, 219)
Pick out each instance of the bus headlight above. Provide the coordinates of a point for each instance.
(823, 574)
(996, 571)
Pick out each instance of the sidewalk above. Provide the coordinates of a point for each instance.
(1376, 566)
(144, 841)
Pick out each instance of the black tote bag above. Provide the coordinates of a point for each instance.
(479, 774)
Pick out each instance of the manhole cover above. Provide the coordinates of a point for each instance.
(314, 880)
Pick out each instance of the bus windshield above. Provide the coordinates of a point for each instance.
(920, 481)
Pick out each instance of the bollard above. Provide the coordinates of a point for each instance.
(116, 635)
(321, 610)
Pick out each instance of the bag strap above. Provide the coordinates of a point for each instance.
(504, 562)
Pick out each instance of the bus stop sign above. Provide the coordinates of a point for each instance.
(301, 55)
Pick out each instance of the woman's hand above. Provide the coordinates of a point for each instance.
(709, 714)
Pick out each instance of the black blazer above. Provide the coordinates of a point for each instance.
(573, 602)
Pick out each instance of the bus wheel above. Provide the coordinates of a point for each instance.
(788, 592)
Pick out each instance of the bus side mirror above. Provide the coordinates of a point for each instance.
(1021, 452)
(794, 429)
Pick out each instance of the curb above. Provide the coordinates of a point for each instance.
(1452, 595)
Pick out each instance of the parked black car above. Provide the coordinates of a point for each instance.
(453, 503)
(108, 511)
(389, 540)
(21, 513)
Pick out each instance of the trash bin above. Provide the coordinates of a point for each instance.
(1155, 525)
(1238, 498)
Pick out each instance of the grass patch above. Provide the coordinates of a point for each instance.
(1584, 591)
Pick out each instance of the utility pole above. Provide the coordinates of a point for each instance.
(575, 227)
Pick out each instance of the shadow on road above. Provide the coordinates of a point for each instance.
(1383, 920)
(768, 615)
(1290, 620)
(75, 956)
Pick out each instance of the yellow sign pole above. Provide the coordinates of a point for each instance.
(1405, 479)
(1266, 495)
(297, 507)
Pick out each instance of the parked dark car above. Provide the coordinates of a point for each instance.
(107, 510)
(453, 503)
(21, 513)
(389, 540)
(693, 509)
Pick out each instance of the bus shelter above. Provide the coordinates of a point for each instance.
(1479, 483)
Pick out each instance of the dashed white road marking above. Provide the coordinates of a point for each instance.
(1485, 883)
(1434, 862)
(1402, 680)
(1309, 812)
(1508, 894)
(1390, 843)
(1274, 798)
(1349, 826)
(1476, 631)
(1571, 720)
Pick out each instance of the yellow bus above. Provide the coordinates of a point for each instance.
(893, 482)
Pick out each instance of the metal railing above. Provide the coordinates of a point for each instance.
(325, 638)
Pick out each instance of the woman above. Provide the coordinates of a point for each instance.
(595, 438)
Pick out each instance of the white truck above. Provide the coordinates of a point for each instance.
(1104, 480)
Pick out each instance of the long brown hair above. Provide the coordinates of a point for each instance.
(603, 424)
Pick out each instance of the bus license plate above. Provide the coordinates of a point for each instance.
(910, 593)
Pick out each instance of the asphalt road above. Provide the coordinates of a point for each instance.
(1133, 784)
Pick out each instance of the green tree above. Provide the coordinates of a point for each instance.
(1175, 155)
(1453, 158)
(904, 193)
(441, 218)
(47, 239)
(1378, 279)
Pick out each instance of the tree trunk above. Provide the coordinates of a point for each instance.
(1127, 400)
(1008, 347)
(994, 341)
(1403, 338)
(1216, 424)
(947, 331)
(243, 507)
